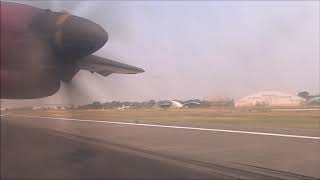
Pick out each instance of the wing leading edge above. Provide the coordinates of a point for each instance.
(105, 66)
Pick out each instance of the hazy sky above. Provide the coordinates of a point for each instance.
(199, 49)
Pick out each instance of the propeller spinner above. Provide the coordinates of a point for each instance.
(72, 37)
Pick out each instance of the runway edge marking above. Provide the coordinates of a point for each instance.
(176, 127)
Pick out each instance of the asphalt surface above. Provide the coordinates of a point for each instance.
(34, 147)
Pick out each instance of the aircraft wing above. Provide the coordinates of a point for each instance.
(105, 66)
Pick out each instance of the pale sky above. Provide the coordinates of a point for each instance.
(198, 49)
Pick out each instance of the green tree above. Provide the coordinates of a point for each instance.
(304, 94)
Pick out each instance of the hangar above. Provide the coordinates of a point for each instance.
(176, 105)
(168, 104)
(220, 102)
(315, 100)
(270, 98)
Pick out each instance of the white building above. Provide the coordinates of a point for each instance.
(169, 104)
(176, 105)
(270, 98)
(34, 108)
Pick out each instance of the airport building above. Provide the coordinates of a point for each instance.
(219, 102)
(168, 104)
(52, 107)
(269, 98)
(315, 100)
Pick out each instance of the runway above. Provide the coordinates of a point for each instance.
(60, 148)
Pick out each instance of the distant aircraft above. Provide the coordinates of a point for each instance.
(41, 48)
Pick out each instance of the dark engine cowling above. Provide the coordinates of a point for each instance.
(71, 37)
(40, 48)
(23, 85)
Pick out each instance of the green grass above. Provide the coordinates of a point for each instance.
(270, 119)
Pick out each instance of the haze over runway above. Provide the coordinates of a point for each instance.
(198, 49)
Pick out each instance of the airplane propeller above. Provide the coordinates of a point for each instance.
(65, 38)
(72, 89)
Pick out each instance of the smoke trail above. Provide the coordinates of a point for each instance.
(82, 9)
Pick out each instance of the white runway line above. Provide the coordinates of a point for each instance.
(176, 127)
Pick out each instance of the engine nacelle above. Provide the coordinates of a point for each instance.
(24, 85)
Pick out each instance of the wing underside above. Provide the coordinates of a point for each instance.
(105, 66)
